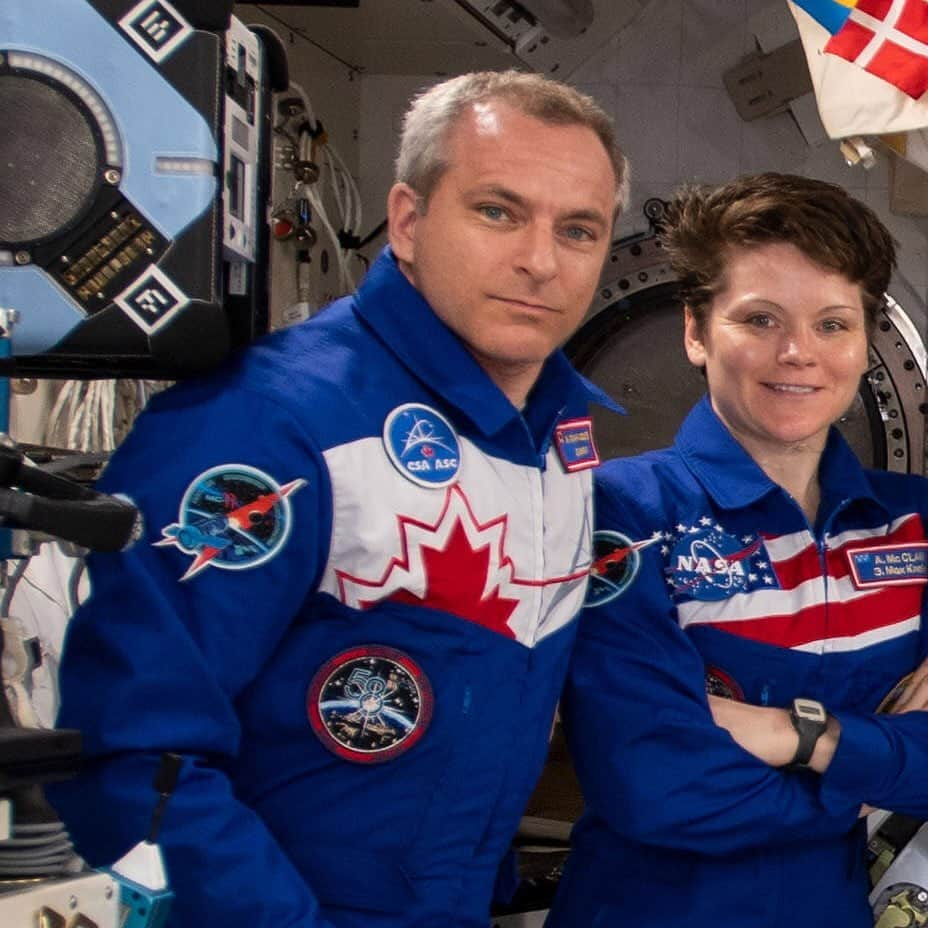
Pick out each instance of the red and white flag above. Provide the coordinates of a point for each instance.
(889, 39)
(867, 74)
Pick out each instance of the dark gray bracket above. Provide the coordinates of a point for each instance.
(764, 84)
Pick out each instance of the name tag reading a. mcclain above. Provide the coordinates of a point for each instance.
(881, 565)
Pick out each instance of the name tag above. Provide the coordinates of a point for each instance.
(882, 565)
(573, 439)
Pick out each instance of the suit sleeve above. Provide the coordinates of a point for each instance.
(882, 758)
(175, 629)
(651, 761)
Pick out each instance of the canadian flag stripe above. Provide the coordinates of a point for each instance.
(456, 564)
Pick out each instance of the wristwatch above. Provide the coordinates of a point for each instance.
(810, 720)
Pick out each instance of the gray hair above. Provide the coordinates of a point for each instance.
(434, 113)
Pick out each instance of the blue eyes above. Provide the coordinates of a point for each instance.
(498, 214)
(493, 212)
(578, 234)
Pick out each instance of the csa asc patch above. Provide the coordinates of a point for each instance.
(719, 683)
(370, 704)
(615, 565)
(422, 445)
(573, 439)
(709, 564)
(232, 517)
(887, 565)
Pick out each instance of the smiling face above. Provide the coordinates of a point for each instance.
(784, 345)
(509, 249)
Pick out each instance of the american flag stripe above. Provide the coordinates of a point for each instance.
(811, 628)
(796, 558)
(762, 604)
(905, 528)
(864, 639)
(813, 613)
(781, 547)
(799, 568)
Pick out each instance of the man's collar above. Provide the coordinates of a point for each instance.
(734, 480)
(405, 322)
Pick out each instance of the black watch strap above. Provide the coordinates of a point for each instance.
(810, 720)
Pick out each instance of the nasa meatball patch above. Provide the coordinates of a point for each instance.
(709, 564)
(233, 517)
(369, 704)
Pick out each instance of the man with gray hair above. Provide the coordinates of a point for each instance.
(353, 606)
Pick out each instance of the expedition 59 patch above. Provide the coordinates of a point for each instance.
(369, 704)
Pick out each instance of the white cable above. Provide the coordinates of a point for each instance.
(323, 218)
(93, 415)
(74, 584)
(11, 582)
(82, 419)
(108, 413)
(345, 281)
(333, 184)
(342, 190)
(353, 187)
(306, 103)
(340, 213)
(55, 415)
(73, 412)
(345, 278)
(73, 389)
(86, 416)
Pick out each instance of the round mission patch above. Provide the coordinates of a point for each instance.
(720, 683)
(370, 704)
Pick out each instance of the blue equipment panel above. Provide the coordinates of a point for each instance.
(110, 208)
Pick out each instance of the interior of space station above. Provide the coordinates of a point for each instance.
(185, 184)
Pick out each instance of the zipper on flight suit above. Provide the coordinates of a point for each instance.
(822, 545)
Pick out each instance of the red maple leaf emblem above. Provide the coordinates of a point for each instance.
(456, 577)
(456, 564)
